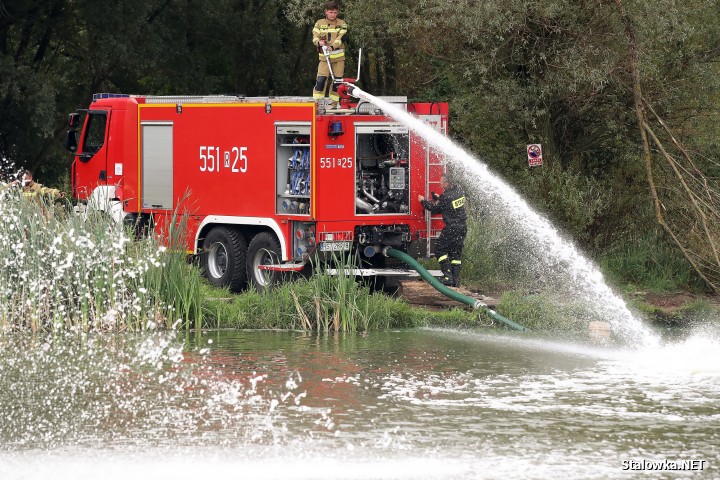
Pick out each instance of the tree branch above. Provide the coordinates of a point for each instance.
(691, 195)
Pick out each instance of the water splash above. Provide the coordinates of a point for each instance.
(430, 404)
(692, 359)
(139, 391)
(673, 382)
(559, 255)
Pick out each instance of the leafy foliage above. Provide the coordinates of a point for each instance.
(54, 55)
(554, 72)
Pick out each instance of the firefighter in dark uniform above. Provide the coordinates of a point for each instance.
(449, 246)
(329, 32)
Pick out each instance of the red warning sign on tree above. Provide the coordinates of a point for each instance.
(534, 153)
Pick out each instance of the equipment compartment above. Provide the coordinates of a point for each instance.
(382, 169)
(293, 169)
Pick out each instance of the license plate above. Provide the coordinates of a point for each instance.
(334, 246)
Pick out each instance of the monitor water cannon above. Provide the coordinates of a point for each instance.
(345, 91)
(346, 86)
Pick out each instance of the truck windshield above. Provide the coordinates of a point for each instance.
(95, 132)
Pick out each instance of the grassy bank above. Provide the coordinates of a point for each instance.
(645, 269)
(63, 272)
(323, 303)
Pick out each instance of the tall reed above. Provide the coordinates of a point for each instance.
(61, 271)
(176, 282)
(332, 299)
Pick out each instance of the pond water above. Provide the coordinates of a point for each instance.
(428, 403)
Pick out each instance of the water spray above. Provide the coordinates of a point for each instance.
(583, 273)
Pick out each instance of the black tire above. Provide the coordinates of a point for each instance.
(223, 258)
(264, 249)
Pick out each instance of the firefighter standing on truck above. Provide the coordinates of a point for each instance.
(449, 246)
(329, 32)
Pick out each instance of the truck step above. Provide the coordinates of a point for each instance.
(379, 272)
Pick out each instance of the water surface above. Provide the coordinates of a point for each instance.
(402, 404)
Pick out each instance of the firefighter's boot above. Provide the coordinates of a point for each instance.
(319, 89)
(455, 267)
(447, 278)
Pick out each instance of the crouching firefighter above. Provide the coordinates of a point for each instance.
(449, 246)
(329, 32)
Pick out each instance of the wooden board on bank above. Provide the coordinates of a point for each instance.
(420, 293)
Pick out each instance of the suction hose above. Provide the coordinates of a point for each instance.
(449, 292)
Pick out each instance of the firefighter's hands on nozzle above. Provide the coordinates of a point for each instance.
(435, 197)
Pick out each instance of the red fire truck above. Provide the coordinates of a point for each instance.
(263, 183)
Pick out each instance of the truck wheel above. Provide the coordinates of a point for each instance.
(223, 258)
(264, 249)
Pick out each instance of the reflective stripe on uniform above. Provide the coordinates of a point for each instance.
(444, 257)
(460, 202)
(456, 262)
(324, 29)
(339, 53)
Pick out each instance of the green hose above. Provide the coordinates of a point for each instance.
(449, 292)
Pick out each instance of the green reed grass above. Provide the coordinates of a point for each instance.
(277, 309)
(650, 262)
(175, 282)
(323, 302)
(547, 311)
(61, 271)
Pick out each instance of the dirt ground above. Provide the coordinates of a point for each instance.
(679, 308)
(673, 307)
(676, 300)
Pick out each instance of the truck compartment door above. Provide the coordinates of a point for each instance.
(435, 167)
(157, 165)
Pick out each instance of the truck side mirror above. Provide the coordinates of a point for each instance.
(73, 120)
(71, 140)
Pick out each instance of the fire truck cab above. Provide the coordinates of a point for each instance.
(262, 183)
